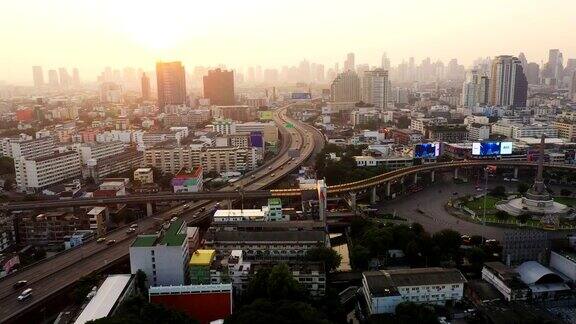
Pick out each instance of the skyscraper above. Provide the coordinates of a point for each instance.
(349, 64)
(375, 87)
(533, 73)
(573, 86)
(385, 62)
(53, 78)
(145, 83)
(64, 77)
(38, 76)
(171, 83)
(508, 86)
(346, 87)
(475, 89)
(75, 77)
(219, 87)
(554, 66)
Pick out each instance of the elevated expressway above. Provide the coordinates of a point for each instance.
(50, 277)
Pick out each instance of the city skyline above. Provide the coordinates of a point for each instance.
(130, 34)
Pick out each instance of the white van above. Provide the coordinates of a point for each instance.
(25, 294)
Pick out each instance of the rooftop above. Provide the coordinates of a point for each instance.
(173, 236)
(276, 236)
(202, 257)
(106, 298)
(145, 240)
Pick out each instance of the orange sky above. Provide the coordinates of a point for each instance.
(91, 34)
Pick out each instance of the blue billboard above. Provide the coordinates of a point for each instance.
(256, 139)
(427, 150)
(491, 148)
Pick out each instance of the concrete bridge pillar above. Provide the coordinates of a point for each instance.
(456, 173)
(516, 173)
(373, 195)
(352, 200)
(416, 178)
(149, 209)
(388, 188)
(432, 175)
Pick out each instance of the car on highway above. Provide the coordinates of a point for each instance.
(101, 239)
(272, 175)
(269, 168)
(110, 242)
(130, 230)
(186, 206)
(19, 284)
(253, 176)
(134, 226)
(25, 294)
(203, 209)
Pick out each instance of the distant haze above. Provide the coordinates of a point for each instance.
(92, 34)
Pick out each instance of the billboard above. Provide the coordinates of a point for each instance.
(301, 95)
(256, 139)
(427, 150)
(491, 148)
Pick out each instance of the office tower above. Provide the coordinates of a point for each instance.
(573, 86)
(75, 77)
(385, 62)
(304, 71)
(508, 86)
(349, 64)
(319, 73)
(346, 87)
(38, 76)
(171, 83)
(375, 87)
(145, 86)
(219, 87)
(554, 66)
(533, 73)
(523, 61)
(475, 89)
(64, 77)
(53, 78)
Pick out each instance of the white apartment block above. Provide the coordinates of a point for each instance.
(375, 87)
(163, 257)
(47, 170)
(224, 126)
(97, 151)
(478, 132)
(385, 289)
(31, 148)
(534, 130)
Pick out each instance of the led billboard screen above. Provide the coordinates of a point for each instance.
(491, 148)
(427, 150)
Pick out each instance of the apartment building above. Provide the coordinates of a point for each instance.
(478, 132)
(453, 133)
(566, 128)
(534, 130)
(385, 289)
(266, 245)
(49, 228)
(163, 257)
(47, 170)
(121, 162)
(97, 151)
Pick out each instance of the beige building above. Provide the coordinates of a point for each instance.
(144, 175)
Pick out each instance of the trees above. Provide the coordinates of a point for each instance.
(403, 122)
(502, 215)
(523, 218)
(565, 192)
(275, 284)
(282, 312)
(498, 191)
(409, 312)
(329, 257)
(522, 187)
(7, 165)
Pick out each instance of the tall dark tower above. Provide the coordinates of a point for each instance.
(171, 81)
(145, 87)
(219, 87)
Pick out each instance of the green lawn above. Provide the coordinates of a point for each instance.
(568, 201)
(477, 205)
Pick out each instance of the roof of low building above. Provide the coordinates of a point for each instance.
(532, 272)
(380, 284)
(106, 298)
(202, 257)
(276, 236)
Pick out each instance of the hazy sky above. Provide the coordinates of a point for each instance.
(91, 34)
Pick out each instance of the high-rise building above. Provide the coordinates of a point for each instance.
(554, 66)
(508, 86)
(533, 73)
(385, 62)
(75, 77)
(171, 83)
(375, 87)
(38, 76)
(64, 77)
(349, 64)
(53, 78)
(346, 87)
(145, 86)
(219, 87)
(475, 89)
(573, 86)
